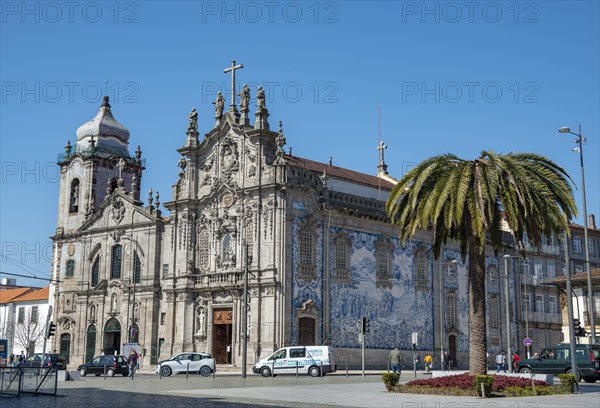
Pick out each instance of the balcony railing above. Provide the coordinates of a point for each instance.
(542, 317)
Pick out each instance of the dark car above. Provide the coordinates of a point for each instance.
(112, 364)
(50, 360)
(557, 360)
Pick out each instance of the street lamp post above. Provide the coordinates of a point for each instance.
(569, 290)
(442, 264)
(507, 306)
(591, 315)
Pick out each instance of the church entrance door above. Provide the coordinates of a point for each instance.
(306, 331)
(112, 337)
(222, 335)
(452, 349)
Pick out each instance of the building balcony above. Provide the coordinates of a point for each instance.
(542, 317)
(586, 320)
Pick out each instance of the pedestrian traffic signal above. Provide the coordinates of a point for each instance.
(51, 330)
(366, 325)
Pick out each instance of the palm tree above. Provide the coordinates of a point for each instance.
(467, 200)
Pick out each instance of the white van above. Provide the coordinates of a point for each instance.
(313, 360)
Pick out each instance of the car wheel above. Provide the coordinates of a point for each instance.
(205, 371)
(110, 372)
(577, 374)
(82, 372)
(165, 371)
(125, 374)
(589, 379)
(525, 370)
(265, 372)
(314, 371)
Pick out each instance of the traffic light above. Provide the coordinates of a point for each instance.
(366, 325)
(51, 330)
(577, 329)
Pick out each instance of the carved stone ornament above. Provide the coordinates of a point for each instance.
(227, 200)
(117, 209)
(308, 309)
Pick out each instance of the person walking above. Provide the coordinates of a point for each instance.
(417, 360)
(501, 361)
(395, 359)
(11, 360)
(22, 356)
(132, 361)
(446, 361)
(515, 359)
(428, 360)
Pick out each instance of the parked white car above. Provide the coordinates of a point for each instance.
(201, 363)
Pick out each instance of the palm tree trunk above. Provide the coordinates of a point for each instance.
(477, 311)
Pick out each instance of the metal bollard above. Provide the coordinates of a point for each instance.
(159, 373)
(296, 368)
(321, 372)
(346, 366)
(104, 371)
(187, 370)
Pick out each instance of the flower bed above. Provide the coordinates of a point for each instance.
(465, 385)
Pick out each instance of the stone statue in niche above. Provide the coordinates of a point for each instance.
(201, 318)
(93, 312)
(113, 303)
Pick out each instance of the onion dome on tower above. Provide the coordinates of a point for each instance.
(104, 131)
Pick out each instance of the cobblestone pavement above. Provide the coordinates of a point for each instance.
(230, 390)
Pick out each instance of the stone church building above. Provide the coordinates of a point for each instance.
(313, 237)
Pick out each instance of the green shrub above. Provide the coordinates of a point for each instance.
(487, 381)
(390, 380)
(567, 382)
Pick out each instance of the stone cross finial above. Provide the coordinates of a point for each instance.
(232, 70)
(382, 167)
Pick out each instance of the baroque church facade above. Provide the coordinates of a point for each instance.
(312, 239)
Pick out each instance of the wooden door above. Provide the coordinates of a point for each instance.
(306, 331)
(452, 350)
(222, 335)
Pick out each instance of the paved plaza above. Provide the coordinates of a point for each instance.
(228, 389)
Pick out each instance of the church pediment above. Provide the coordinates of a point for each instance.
(117, 210)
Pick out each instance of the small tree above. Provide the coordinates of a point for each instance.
(28, 333)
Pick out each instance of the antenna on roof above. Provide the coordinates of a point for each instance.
(378, 147)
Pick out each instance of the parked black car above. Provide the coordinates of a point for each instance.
(113, 364)
(51, 360)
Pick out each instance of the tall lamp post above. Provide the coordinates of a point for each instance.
(591, 314)
(507, 307)
(443, 266)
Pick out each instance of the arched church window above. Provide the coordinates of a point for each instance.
(228, 255)
(115, 263)
(74, 197)
(383, 263)
(421, 281)
(70, 268)
(343, 249)
(203, 248)
(137, 268)
(95, 271)
(307, 267)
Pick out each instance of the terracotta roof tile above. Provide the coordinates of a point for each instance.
(40, 294)
(339, 172)
(580, 277)
(8, 295)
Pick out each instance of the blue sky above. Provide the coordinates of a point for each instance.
(454, 77)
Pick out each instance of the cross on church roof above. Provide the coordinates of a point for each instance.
(232, 69)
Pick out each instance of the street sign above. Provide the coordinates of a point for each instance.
(527, 342)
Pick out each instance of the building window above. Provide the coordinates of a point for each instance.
(74, 197)
(492, 275)
(577, 244)
(551, 269)
(34, 314)
(21, 315)
(163, 318)
(526, 302)
(165, 270)
(115, 266)
(578, 268)
(307, 264)
(451, 268)
(537, 269)
(554, 337)
(250, 241)
(421, 282)
(525, 267)
(70, 268)
(96, 272)
(228, 249)
(203, 249)
(552, 304)
(137, 268)
(383, 263)
(451, 309)
(591, 246)
(495, 341)
(493, 310)
(539, 303)
(343, 249)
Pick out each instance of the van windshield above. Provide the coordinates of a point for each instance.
(279, 354)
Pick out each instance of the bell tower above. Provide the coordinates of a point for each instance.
(98, 164)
